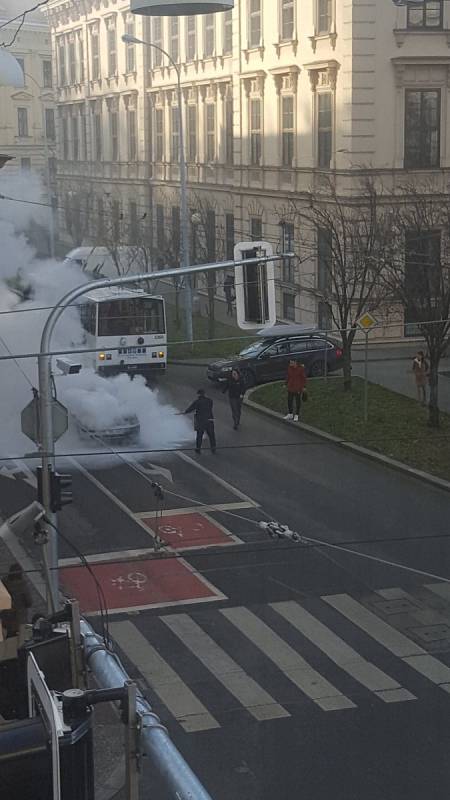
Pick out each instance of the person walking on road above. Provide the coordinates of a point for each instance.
(203, 420)
(295, 382)
(228, 287)
(235, 386)
(421, 370)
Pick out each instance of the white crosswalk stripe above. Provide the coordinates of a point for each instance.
(312, 684)
(392, 639)
(366, 673)
(274, 643)
(253, 697)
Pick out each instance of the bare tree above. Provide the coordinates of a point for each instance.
(209, 247)
(418, 275)
(125, 237)
(77, 212)
(349, 237)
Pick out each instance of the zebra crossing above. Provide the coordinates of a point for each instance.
(364, 658)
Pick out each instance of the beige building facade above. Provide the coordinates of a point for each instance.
(27, 118)
(278, 94)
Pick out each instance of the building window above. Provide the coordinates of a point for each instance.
(83, 137)
(422, 272)
(22, 122)
(255, 132)
(324, 260)
(254, 23)
(115, 219)
(95, 52)
(174, 135)
(131, 134)
(210, 235)
(422, 128)
(62, 63)
(25, 164)
(159, 134)
(98, 136)
(325, 317)
(65, 138)
(174, 38)
(176, 228)
(75, 138)
(324, 16)
(287, 130)
(256, 229)
(229, 237)
(227, 33)
(208, 35)
(133, 228)
(52, 168)
(21, 63)
(288, 306)
(114, 133)
(47, 74)
(324, 129)
(191, 38)
(287, 20)
(210, 111)
(229, 138)
(72, 62)
(130, 52)
(160, 233)
(288, 245)
(192, 132)
(100, 219)
(50, 131)
(81, 56)
(428, 14)
(157, 40)
(111, 40)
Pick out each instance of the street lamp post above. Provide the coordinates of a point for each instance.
(184, 220)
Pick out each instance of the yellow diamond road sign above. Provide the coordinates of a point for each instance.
(366, 322)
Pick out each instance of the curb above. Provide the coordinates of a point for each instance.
(438, 483)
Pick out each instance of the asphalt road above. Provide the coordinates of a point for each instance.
(280, 669)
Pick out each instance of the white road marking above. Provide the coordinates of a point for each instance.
(393, 640)
(220, 481)
(199, 508)
(366, 673)
(253, 697)
(442, 590)
(147, 468)
(311, 683)
(187, 709)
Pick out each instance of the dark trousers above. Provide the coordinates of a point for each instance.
(208, 428)
(236, 408)
(229, 300)
(298, 402)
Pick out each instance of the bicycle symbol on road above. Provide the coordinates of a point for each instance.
(134, 580)
(172, 530)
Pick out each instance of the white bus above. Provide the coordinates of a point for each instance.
(128, 329)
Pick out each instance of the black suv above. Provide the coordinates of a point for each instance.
(267, 358)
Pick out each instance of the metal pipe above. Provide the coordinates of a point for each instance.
(184, 221)
(179, 779)
(45, 389)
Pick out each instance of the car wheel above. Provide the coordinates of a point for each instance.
(316, 369)
(249, 378)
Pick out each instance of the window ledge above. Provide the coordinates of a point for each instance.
(282, 43)
(257, 49)
(320, 37)
(401, 34)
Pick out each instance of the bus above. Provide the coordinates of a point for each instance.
(127, 328)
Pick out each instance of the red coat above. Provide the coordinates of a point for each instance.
(296, 378)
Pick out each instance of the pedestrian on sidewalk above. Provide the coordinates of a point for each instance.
(235, 386)
(203, 420)
(295, 383)
(228, 287)
(421, 372)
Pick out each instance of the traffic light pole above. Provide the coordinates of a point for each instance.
(47, 443)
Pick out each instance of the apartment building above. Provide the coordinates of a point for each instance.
(27, 118)
(278, 94)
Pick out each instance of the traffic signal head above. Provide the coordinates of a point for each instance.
(60, 491)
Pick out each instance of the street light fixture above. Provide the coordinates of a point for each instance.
(184, 220)
(179, 8)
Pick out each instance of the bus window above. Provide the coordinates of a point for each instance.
(87, 317)
(133, 316)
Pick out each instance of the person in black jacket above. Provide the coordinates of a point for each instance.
(235, 386)
(203, 420)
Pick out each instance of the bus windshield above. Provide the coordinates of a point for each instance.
(135, 315)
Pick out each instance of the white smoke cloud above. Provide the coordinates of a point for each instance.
(97, 401)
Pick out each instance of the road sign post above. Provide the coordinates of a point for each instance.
(366, 323)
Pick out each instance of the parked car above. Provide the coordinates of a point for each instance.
(267, 358)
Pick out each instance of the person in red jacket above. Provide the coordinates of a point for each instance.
(296, 382)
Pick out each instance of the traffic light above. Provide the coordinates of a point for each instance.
(254, 286)
(60, 490)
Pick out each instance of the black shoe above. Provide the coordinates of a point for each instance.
(213, 450)
(235, 427)
(198, 451)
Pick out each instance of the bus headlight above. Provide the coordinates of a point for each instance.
(161, 354)
(101, 356)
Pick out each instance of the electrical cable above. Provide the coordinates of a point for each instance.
(21, 17)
